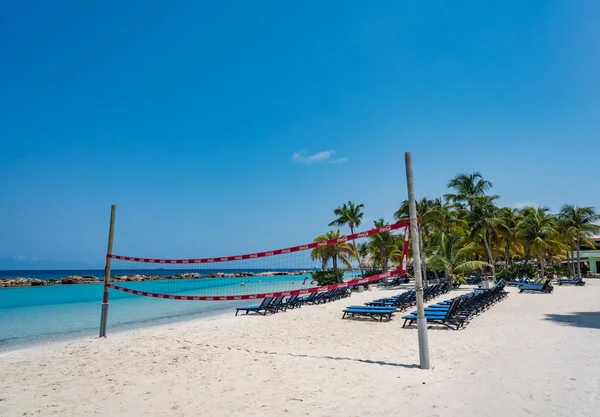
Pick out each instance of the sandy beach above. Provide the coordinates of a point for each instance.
(529, 355)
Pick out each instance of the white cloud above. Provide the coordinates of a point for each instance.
(35, 258)
(527, 204)
(323, 156)
(21, 258)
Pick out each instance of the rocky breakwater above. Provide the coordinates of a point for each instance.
(88, 279)
(135, 278)
(76, 279)
(196, 275)
(35, 282)
(23, 282)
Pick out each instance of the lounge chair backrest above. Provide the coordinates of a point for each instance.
(265, 302)
(453, 307)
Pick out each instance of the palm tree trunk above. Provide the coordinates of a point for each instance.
(507, 250)
(488, 248)
(334, 262)
(541, 259)
(578, 257)
(573, 260)
(422, 257)
(362, 274)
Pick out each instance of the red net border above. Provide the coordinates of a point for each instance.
(374, 278)
(298, 248)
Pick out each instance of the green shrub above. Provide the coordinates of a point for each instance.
(516, 271)
(558, 270)
(529, 270)
(371, 271)
(328, 277)
(508, 272)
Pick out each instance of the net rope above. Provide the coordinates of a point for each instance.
(274, 273)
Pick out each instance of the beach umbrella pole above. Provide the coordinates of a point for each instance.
(414, 234)
(104, 312)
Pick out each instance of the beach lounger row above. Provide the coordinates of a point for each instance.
(408, 298)
(523, 281)
(457, 312)
(384, 308)
(276, 304)
(394, 282)
(575, 281)
(271, 305)
(400, 301)
(325, 297)
(544, 287)
(473, 280)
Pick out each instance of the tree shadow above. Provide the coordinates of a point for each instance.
(585, 319)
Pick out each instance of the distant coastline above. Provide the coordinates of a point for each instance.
(19, 281)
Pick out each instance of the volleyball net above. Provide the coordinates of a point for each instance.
(351, 260)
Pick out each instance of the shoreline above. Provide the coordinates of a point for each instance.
(60, 342)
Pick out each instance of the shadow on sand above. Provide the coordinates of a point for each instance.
(328, 357)
(343, 358)
(585, 319)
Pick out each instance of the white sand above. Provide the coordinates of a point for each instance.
(510, 361)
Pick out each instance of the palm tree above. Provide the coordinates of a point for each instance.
(362, 250)
(351, 215)
(444, 217)
(567, 237)
(452, 253)
(582, 220)
(335, 252)
(427, 210)
(537, 230)
(397, 253)
(382, 245)
(507, 221)
(466, 187)
(483, 218)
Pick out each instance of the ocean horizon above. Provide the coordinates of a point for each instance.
(47, 274)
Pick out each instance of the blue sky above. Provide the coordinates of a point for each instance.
(228, 127)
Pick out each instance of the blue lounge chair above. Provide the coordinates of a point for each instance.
(276, 305)
(263, 308)
(372, 312)
(291, 302)
(366, 307)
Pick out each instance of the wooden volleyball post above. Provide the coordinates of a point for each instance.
(111, 232)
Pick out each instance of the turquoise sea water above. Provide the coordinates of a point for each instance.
(31, 315)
